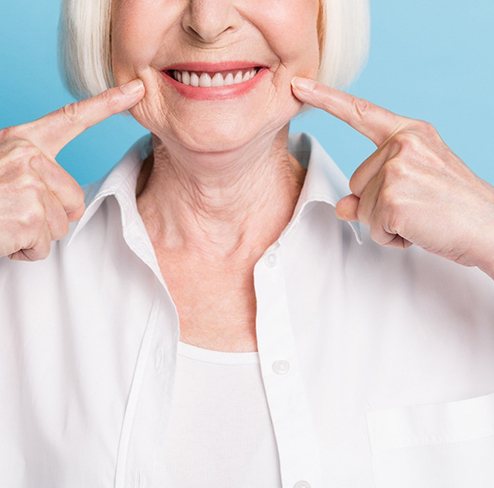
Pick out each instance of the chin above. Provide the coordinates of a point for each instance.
(212, 140)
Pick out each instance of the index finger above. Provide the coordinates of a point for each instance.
(56, 129)
(375, 122)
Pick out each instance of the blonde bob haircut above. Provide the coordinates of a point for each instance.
(85, 48)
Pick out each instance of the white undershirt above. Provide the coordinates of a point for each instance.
(220, 432)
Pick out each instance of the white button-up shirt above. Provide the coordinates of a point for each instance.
(377, 362)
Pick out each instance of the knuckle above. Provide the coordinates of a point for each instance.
(14, 133)
(111, 100)
(388, 196)
(23, 151)
(40, 250)
(31, 254)
(76, 214)
(17, 256)
(393, 223)
(77, 203)
(71, 113)
(426, 127)
(360, 107)
(388, 216)
(394, 169)
(406, 142)
(29, 182)
(33, 217)
(6, 134)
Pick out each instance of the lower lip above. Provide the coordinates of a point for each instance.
(215, 92)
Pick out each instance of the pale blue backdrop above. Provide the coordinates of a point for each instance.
(429, 59)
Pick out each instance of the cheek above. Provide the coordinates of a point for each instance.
(137, 34)
(153, 112)
(290, 27)
(139, 30)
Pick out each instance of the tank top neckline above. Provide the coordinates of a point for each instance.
(218, 357)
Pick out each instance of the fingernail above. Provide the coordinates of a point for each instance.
(304, 84)
(132, 87)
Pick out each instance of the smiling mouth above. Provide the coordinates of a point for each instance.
(203, 79)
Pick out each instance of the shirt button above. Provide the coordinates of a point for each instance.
(158, 358)
(271, 260)
(281, 366)
(301, 484)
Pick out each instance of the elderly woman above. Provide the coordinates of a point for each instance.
(228, 310)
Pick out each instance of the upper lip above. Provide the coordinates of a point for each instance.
(214, 67)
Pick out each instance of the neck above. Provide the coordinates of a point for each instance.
(219, 205)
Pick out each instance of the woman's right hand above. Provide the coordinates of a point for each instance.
(38, 197)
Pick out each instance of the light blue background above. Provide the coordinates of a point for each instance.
(429, 59)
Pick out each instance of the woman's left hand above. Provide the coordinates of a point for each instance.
(413, 189)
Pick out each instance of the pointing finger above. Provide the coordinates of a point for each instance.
(55, 130)
(375, 122)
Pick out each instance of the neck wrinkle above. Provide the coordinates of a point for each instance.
(245, 212)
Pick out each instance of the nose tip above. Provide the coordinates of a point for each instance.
(208, 20)
(206, 35)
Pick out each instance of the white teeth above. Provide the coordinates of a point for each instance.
(248, 75)
(194, 79)
(238, 77)
(205, 80)
(218, 79)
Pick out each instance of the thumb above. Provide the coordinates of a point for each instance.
(346, 208)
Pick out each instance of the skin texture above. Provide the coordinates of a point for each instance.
(222, 181)
(413, 189)
(220, 185)
(38, 197)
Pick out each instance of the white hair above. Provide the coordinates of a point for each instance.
(85, 50)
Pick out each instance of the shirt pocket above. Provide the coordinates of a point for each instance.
(440, 445)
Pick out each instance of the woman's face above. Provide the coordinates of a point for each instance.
(150, 35)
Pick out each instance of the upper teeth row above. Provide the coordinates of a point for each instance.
(216, 79)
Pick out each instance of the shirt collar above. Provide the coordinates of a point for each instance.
(324, 180)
